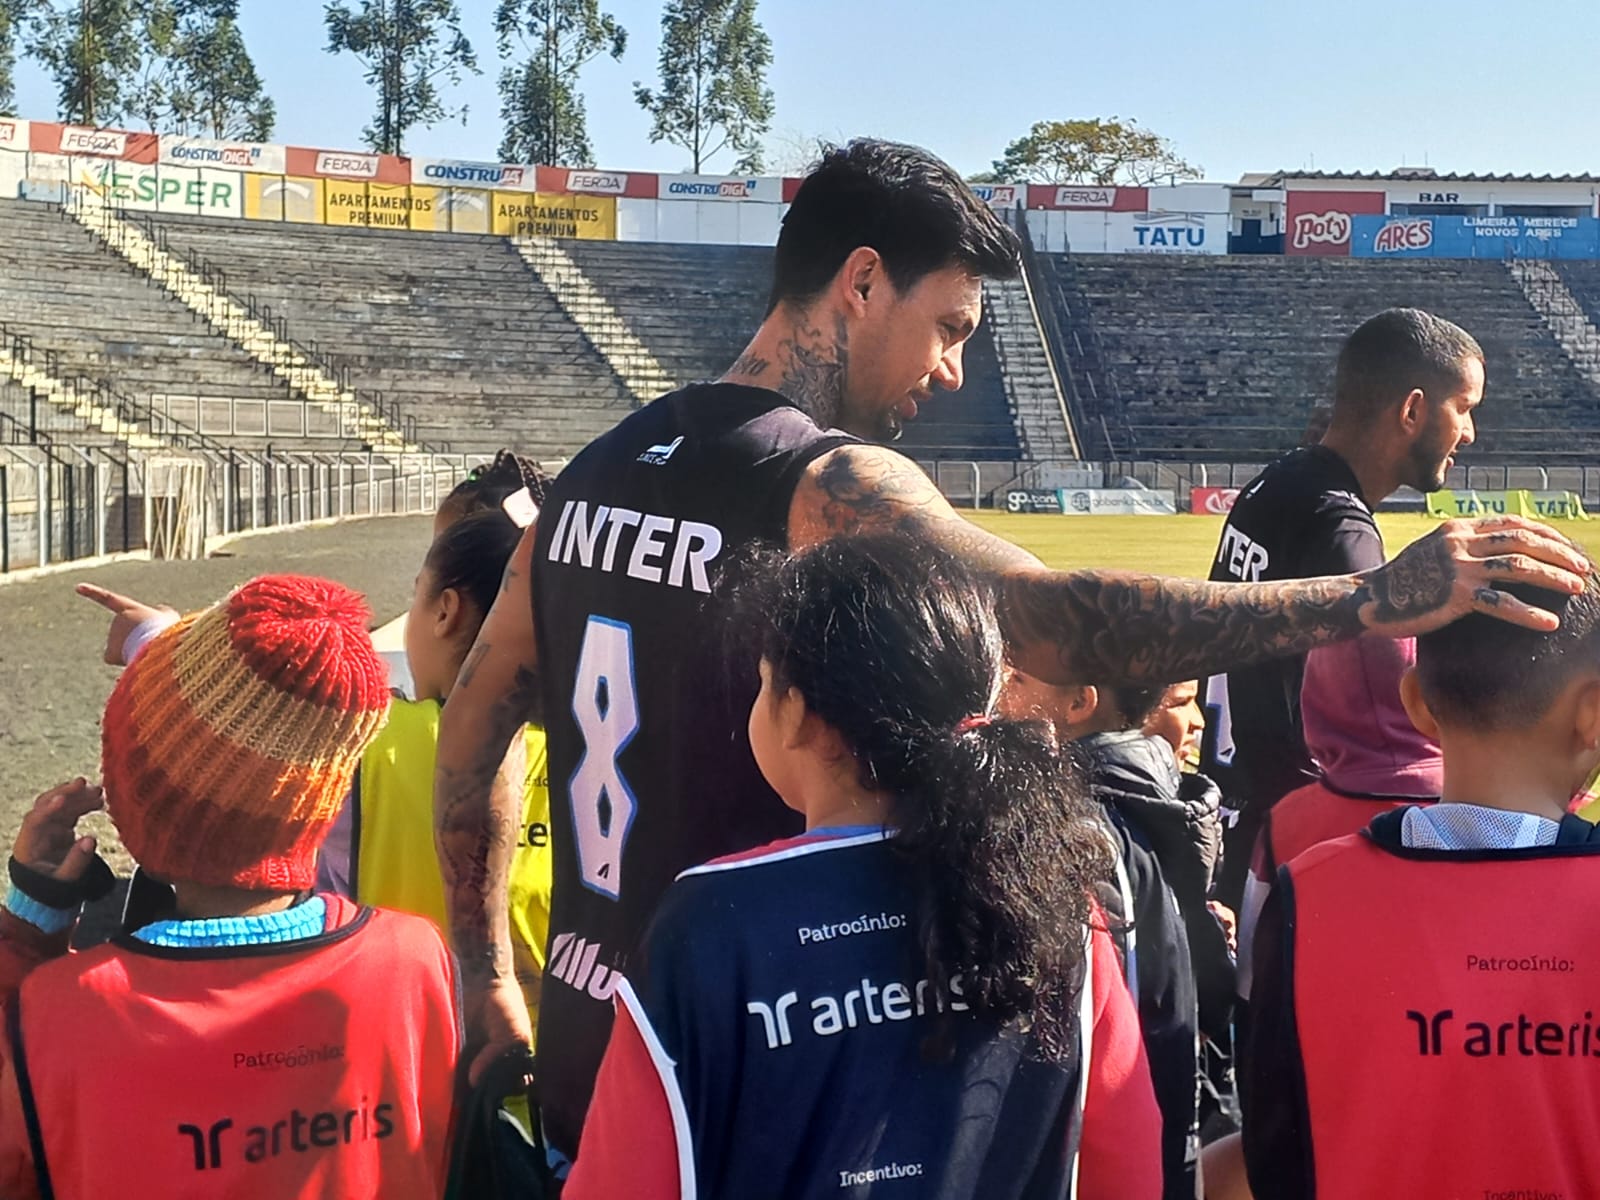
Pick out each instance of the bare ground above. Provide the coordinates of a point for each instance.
(54, 685)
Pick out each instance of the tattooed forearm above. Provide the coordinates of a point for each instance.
(475, 829)
(1106, 626)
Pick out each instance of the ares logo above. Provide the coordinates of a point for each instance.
(297, 1133)
(1330, 228)
(1398, 236)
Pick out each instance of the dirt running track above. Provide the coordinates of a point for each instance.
(53, 684)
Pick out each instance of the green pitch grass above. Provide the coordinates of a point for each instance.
(1181, 545)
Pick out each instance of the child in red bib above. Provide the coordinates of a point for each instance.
(261, 1039)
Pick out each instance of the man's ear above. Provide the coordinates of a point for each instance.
(1416, 707)
(1413, 412)
(860, 276)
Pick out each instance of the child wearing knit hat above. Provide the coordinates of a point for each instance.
(265, 1040)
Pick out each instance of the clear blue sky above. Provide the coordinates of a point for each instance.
(1367, 84)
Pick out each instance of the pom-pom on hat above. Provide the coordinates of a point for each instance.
(229, 745)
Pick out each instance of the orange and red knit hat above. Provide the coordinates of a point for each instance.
(229, 745)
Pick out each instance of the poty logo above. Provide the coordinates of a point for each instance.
(1082, 197)
(332, 162)
(596, 181)
(1219, 502)
(77, 140)
(1415, 234)
(1329, 228)
(10, 133)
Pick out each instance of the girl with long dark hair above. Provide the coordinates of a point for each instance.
(917, 994)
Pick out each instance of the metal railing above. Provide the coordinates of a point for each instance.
(261, 315)
(59, 503)
(44, 417)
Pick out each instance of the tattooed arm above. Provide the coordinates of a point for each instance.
(1108, 626)
(475, 821)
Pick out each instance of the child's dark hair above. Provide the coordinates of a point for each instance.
(471, 554)
(895, 645)
(488, 484)
(1484, 673)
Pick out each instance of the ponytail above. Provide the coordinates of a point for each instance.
(896, 645)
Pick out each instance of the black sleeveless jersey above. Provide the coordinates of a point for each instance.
(650, 764)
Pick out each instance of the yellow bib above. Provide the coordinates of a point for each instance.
(395, 864)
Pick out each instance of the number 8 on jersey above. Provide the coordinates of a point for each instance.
(605, 703)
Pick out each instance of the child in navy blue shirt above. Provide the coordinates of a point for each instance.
(915, 995)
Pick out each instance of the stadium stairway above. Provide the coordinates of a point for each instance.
(304, 377)
(106, 335)
(78, 416)
(1031, 381)
(454, 330)
(624, 353)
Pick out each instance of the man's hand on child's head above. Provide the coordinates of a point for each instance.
(1460, 568)
(48, 840)
(127, 615)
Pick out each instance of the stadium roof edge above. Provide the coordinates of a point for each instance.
(1412, 174)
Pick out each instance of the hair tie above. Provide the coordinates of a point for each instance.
(975, 721)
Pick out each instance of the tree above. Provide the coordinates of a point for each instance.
(91, 48)
(10, 24)
(540, 104)
(713, 93)
(407, 48)
(172, 65)
(1103, 152)
(217, 92)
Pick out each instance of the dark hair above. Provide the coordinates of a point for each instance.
(471, 556)
(488, 484)
(1396, 351)
(1484, 673)
(910, 207)
(894, 643)
(1135, 701)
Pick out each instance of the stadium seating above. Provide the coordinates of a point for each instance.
(1223, 358)
(453, 328)
(69, 295)
(695, 307)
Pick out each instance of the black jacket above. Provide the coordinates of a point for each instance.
(1175, 817)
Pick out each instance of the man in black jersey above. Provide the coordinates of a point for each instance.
(1405, 389)
(604, 626)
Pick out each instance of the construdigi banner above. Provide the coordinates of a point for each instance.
(1475, 237)
(204, 152)
(448, 172)
(763, 190)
